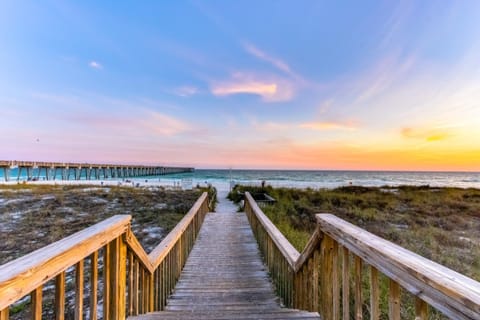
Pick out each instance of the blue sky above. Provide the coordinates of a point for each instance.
(244, 84)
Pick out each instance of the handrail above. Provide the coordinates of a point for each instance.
(26, 273)
(159, 252)
(319, 278)
(452, 293)
(286, 248)
(133, 281)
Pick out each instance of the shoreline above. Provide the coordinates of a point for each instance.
(223, 185)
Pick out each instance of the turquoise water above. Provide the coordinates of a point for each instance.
(332, 179)
(302, 179)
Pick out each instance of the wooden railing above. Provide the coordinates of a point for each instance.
(133, 282)
(330, 276)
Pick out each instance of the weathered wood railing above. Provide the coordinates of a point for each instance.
(331, 270)
(133, 282)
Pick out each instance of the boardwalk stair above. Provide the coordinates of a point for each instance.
(225, 278)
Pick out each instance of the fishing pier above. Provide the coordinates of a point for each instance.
(34, 170)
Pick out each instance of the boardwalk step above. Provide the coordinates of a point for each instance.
(280, 314)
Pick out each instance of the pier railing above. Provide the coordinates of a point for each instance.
(132, 281)
(342, 263)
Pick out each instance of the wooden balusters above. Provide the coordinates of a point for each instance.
(421, 309)
(60, 296)
(136, 285)
(79, 290)
(316, 280)
(130, 285)
(4, 314)
(335, 287)
(374, 295)
(93, 285)
(36, 305)
(327, 278)
(345, 284)
(358, 288)
(106, 282)
(394, 301)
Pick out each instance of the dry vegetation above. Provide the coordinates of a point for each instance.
(32, 216)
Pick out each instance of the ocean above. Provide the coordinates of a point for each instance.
(224, 179)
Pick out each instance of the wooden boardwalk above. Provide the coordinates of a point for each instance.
(224, 277)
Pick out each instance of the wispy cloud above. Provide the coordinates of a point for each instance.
(256, 52)
(328, 125)
(270, 88)
(95, 65)
(274, 61)
(164, 125)
(186, 91)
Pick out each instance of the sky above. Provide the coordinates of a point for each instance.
(329, 85)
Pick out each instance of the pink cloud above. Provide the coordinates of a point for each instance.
(271, 89)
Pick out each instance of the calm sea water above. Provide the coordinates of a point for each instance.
(332, 179)
(223, 179)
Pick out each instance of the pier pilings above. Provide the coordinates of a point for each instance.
(82, 171)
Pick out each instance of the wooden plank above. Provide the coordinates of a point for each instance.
(151, 291)
(93, 285)
(122, 279)
(358, 288)
(345, 284)
(224, 273)
(136, 280)
(421, 309)
(23, 275)
(141, 291)
(316, 266)
(160, 251)
(106, 281)
(79, 279)
(335, 287)
(130, 282)
(454, 294)
(136, 247)
(312, 244)
(374, 295)
(118, 278)
(326, 285)
(394, 301)
(60, 296)
(36, 304)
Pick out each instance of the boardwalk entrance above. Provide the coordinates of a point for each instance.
(209, 267)
(224, 277)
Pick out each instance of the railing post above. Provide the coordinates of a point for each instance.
(4, 314)
(326, 284)
(117, 278)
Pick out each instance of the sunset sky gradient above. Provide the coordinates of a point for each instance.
(362, 85)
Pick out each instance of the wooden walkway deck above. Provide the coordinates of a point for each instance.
(225, 278)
